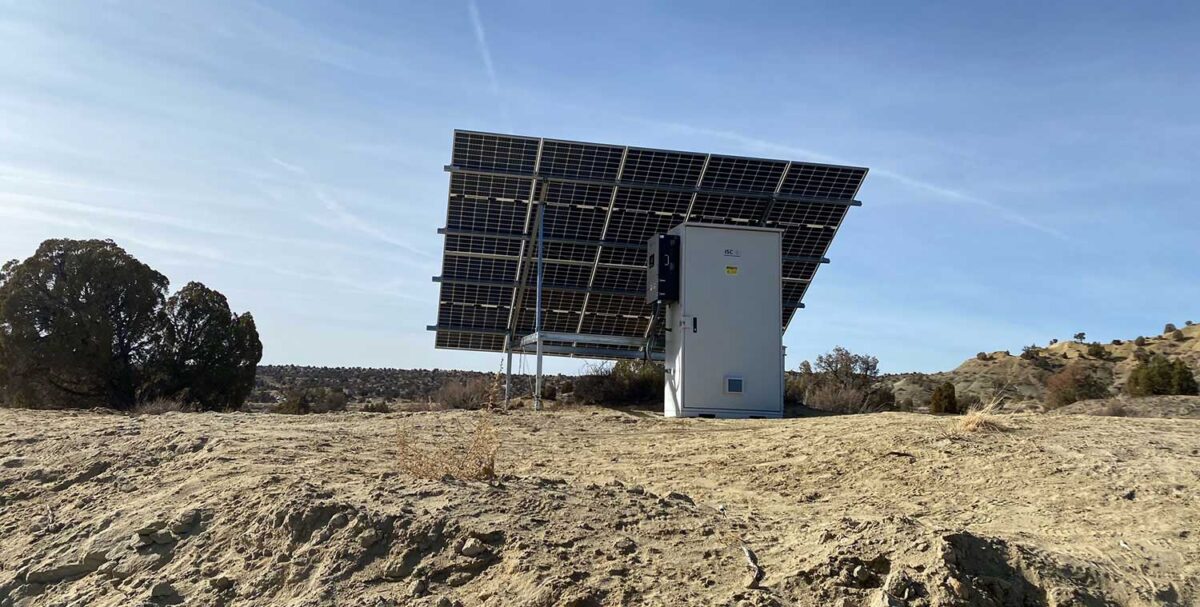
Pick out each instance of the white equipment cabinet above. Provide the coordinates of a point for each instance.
(724, 343)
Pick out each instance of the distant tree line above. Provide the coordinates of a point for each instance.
(85, 324)
(369, 384)
(842, 382)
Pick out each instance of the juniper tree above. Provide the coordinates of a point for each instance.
(204, 355)
(77, 320)
(83, 324)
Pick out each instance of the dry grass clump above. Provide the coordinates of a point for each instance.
(473, 457)
(1114, 409)
(415, 407)
(982, 419)
(158, 406)
(376, 407)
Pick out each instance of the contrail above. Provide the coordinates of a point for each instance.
(341, 213)
(486, 54)
(354, 222)
(400, 291)
(765, 146)
(956, 195)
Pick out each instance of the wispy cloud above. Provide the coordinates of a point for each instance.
(80, 209)
(763, 146)
(346, 218)
(291, 168)
(395, 289)
(485, 53)
(77, 223)
(26, 178)
(341, 215)
(484, 50)
(964, 197)
(752, 144)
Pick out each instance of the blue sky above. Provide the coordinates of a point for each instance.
(1033, 166)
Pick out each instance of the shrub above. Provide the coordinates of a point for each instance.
(326, 400)
(943, 400)
(1029, 352)
(624, 383)
(1139, 341)
(1188, 323)
(376, 407)
(1095, 350)
(473, 393)
(1169, 328)
(1072, 383)
(294, 402)
(1159, 376)
(905, 405)
(1053, 341)
(793, 389)
(302, 401)
(966, 402)
(983, 356)
(471, 458)
(1177, 335)
(1141, 355)
(1080, 337)
(843, 382)
(838, 399)
(880, 398)
(1117, 342)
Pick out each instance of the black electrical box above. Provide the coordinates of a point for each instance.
(662, 268)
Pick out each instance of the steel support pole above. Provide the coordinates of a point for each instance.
(537, 313)
(508, 374)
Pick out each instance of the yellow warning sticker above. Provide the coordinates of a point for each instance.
(731, 270)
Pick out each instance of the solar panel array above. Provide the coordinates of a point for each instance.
(599, 205)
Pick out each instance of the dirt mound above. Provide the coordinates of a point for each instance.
(899, 561)
(166, 518)
(253, 509)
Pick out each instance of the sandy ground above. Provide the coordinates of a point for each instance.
(598, 507)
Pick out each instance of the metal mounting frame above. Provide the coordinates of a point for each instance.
(492, 170)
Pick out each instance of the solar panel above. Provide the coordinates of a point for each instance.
(598, 205)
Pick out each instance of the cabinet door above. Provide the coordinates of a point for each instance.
(731, 314)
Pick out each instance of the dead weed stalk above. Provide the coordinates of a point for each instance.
(468, 457)
(984, 419)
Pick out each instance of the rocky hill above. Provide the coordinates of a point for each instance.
(1022, 377)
